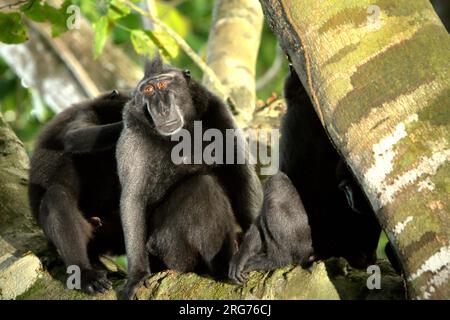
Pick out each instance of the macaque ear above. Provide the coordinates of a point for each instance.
(114, 94)
(187, 74)
(153, 66)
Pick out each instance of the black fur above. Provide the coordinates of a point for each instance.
(310, 160)
(341, 222)
(194, 230)
(74, 190)
(154, 188)
(280, 235)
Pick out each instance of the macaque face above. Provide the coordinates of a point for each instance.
(162, 95)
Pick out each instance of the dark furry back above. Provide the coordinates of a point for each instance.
(310, 160)
(280, 235)
(50, 164)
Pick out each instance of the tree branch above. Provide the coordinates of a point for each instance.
(13, 4)
(272, 72)
(233, 44)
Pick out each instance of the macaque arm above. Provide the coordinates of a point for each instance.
(91, 138)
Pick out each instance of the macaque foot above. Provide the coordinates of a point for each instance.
(134, 283)
(95, 281)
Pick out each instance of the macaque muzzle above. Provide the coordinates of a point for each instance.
(165, 113)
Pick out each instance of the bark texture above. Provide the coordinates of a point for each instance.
(378, 74)
(232, 51)
(287, 283)
(18, 231)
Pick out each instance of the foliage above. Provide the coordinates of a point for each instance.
(13, 22)
(22, 108)
(113, 20)
(13, 29)
(116, 14)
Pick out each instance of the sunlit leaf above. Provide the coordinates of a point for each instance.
(101, 34)
(117, 10)
(142, 43)
(169, 47)
(91, 10)
(12, 28)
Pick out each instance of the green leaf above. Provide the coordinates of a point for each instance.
(60, 19)
(144, 43)
(169, 47)
(123, 26)
(34, 10)
(43, 12)
(12, 28)
(101, 34)
(117, 10)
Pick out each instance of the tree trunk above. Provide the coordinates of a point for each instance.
(232, 51)
(378, 75)
(18, 231)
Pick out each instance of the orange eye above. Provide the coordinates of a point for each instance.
(162, 85)
(149, 89)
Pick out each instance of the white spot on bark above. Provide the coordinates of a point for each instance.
(426, 184)
(427, 165)
(384, 156)
(439, 260)
(399, 227)
(439, 279)
(388, 115)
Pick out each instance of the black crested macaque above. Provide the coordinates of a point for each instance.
(309, 159)
(159, 215)
(280, 235)
(341, 222)
(74, 189)
(194, 229)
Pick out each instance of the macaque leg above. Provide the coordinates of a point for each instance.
(250, 247)
(70, 232)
